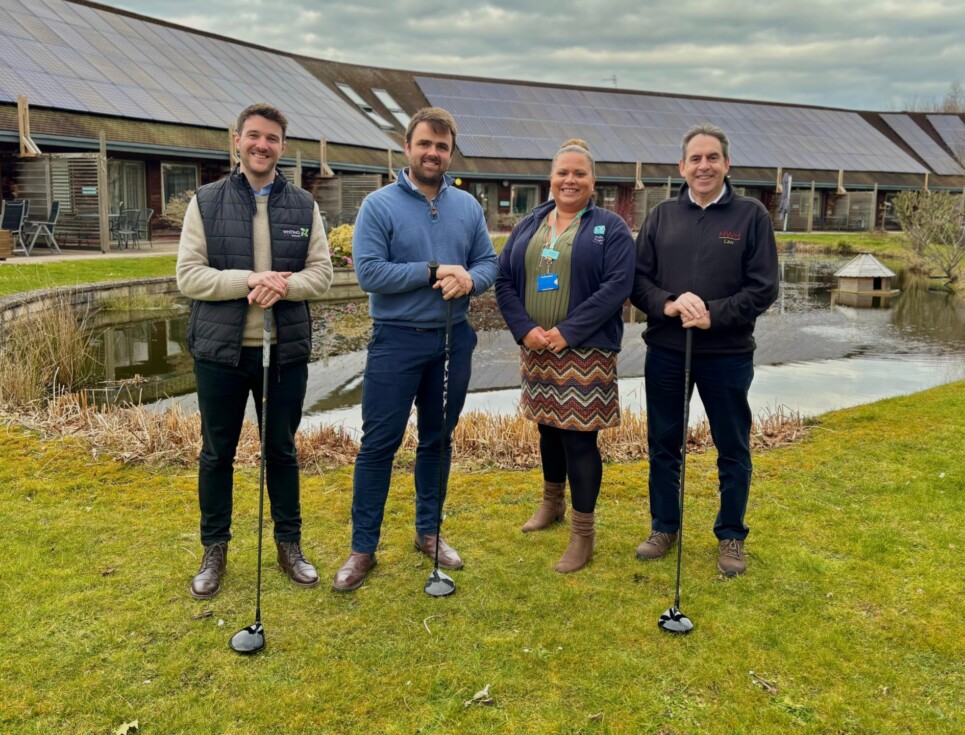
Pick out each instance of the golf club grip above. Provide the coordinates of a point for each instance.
(266, 340)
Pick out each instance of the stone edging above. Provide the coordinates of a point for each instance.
(15, 307)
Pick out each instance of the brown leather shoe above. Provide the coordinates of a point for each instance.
(731, 557)
(352, 573)
(448, 557)
(207, 582)
(657, 546)
(292, 562)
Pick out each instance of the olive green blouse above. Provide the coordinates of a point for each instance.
(549, 308)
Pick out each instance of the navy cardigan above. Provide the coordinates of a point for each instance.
(601, 278)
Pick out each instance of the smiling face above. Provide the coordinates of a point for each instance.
(260, 144)
(704, 168)
(571, 182)
(429, 152)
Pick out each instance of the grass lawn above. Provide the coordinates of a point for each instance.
(882, 245)
(850, 617)
(15, 278)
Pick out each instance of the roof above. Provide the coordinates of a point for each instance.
(85, 58)
(864, 266)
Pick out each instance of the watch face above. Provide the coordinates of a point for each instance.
(433, 264)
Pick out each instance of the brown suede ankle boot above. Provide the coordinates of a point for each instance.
(551, 510)
(580, 550)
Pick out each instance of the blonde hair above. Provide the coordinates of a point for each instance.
(575, 145)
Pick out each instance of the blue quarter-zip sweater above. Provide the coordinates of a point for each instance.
(399, 231)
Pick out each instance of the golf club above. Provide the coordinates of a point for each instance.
(252, 639)
(439, 584)
(674, 621)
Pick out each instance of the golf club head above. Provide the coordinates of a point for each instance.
(674, 621)
(439, 584)
(248, 640)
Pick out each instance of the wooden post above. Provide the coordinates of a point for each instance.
(638, 183)
(669, 187)
(298, 169)
(392, 176)
(811, 208)
(779, 188)
(926, 181)
(841, 189)
(325, 172)
(232, 148)
(28, 149)
(103, 196)
(874, 209)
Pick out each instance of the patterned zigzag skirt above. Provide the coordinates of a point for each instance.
(575, 389)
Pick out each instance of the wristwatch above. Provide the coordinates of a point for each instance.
(433, 267)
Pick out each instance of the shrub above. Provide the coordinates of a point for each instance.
(340, 245)
(176, 208)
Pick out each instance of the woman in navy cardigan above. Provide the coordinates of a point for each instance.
(564, 275)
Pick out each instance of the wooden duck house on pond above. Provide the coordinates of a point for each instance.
(863, 282)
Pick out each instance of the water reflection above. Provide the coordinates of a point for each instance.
(813, 355)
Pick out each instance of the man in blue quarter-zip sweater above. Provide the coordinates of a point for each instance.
(706, 261)
(418, 243)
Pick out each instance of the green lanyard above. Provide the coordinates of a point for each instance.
(550, 253)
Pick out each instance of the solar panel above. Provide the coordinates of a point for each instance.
(951, 128)
(76, 57)
(630, 127)
(923, 145)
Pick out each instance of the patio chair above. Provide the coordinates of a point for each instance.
(12, 219)
(45, 229)
(126, 231)
(144, 226)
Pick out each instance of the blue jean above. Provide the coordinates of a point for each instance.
(222, 398)
(723, 382)
(405, 366)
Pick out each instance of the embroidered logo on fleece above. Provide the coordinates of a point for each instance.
(296, 234)
(729, 238)
(598, 234)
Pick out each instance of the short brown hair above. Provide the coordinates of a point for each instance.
(441, 121)
(263, 109)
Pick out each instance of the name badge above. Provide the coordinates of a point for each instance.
(547, 282)
(550, 253)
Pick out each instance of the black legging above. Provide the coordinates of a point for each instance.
(574, 455)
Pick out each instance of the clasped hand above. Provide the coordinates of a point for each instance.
(691, 309)
(268, 287)
(541, 339)
(454, 281)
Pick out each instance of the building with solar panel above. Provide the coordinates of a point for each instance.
(164, 98)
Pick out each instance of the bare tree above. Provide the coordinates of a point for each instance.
(952, 102)
(934, 225)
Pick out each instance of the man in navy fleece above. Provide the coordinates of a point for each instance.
(418, 243)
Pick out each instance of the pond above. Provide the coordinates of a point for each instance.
(814, 354)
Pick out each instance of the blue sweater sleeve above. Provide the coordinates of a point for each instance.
(370, 250)
(482, 263)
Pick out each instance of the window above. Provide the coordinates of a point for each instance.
(606, 197)
(177, 178)
(525, 197)
(126, 183)
(392, 106)
(365, 106)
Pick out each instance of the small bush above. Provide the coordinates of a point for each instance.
(176, 208)
(340, 245)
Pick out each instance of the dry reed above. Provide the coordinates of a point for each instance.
(481, 440)
(44, 353)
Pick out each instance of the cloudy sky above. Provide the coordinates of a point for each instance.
(876, 54)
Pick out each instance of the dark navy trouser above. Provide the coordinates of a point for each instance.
(405, 366)
(222, 398)
(723, 382)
